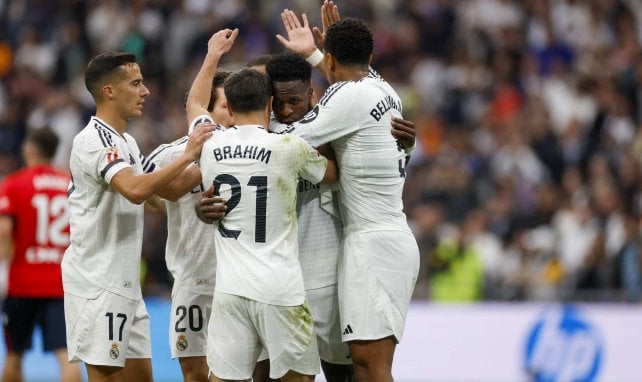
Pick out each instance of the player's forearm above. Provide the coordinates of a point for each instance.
(331, 172)
(6, 238)
(138, 188)
(316, 59)
(156, 205)
(201, 89)
(184, 183)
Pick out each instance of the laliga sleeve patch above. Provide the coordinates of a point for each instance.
(111, 154)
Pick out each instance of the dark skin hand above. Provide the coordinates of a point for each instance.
(404, 131)
(210, 208)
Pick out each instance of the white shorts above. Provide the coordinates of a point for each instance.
(324, 305)
(188, 320)
(377, 275)
(239, 328)
(107, 329)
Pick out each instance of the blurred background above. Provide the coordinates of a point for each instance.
(524, 185)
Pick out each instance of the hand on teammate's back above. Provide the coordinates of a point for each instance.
(210, 208)
(196, 139)
(404, 131)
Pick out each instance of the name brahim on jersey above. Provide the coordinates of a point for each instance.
(242, 152)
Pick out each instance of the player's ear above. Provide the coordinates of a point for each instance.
(229, 109)
(370, 59)
(108, 92)
(269, 106)
(330, 62)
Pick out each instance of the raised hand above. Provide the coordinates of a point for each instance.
(300, 39)
(329, 16)
(221, 42)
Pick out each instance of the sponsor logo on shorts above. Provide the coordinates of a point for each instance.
(127, 284)
(202, 281)
(347, 330)
(181, 343)
(114, 352)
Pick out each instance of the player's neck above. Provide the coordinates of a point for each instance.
(36, 162)
(350, 72)
(252, 118)
(112, 119)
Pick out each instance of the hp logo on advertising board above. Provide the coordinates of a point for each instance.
(563, 346)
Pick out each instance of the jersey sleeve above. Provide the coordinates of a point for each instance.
(204, 118)
(148, 165)
(331, 117)
(313, 164)
(100, 156)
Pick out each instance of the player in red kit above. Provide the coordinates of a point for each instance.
(34, 233)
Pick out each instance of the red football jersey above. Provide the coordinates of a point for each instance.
(36, 199)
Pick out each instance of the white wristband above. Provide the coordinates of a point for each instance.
(315, 58)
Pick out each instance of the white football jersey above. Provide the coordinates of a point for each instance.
(256, 242)
(189, 253)
(354, 116)
(320, 232)
(106, 228)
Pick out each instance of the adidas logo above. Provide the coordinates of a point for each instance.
(347, 330)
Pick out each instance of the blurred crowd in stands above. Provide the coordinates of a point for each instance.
(525, 180)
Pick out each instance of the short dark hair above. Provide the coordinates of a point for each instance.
(247, 90)
(104, 67)
(44, 140)
(350, 41)
(218, 80)
(259, 60)
(288, 66)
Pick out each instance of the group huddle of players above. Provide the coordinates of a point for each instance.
(287, 240)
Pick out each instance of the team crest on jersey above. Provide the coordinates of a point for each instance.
(4, 202)
(112, 154)
(311, 116)
(181, 343)
(114, 352)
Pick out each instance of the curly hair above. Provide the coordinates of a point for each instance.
(350, 41)
(287, 66)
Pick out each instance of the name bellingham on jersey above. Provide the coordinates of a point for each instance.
(240, 151)
(384, 106)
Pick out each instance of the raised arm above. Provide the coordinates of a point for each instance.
(199, 94)
(329, 16)
(300, 40)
